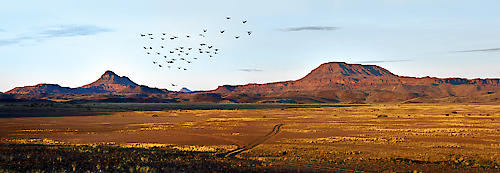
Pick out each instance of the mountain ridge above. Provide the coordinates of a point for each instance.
(331, 82)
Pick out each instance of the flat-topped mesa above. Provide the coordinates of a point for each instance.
(40, 89)
(342, 69)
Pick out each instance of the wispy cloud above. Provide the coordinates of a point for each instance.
(479, 50)
(250, 70)
(56, 32)
(383, 61)
(310, 28)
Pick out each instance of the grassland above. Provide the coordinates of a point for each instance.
(374, 138)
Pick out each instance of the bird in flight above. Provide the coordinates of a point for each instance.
(237, 37)
(244, 21)
(204, 30)
(221, 31)
(173, 84)
(249, 32)
(228, 18)
(143, 35)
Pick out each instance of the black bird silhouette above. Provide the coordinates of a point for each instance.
(188, 36)
(162, 47)
(164, 33)
(173, 84)
(210, 47)
(148, 53)
(181, 47)
(142, 35)
(150, 47)
(181, 51)
(171, 38)
(195, 58)
(187, 53)
(162, 38)
(185, 68)
(164, 56)
(179, 68)
(190, 48)
(150, 34)
(183, 59)
(154, 62)
(228, 18)
(179, 54)
(151, 38)
(188, 61)
(201, 51)
(216, 49)
(244, 21)
(207, 51)
(215, 53)
(204, 30)
(159, 65)
(249, 32)
(158, 53)
(237, 37)
(211, 56)
(145, 48)
(170, 62)
(176, 48)
(221, 31)
(171, 51)
(203, 44)
(201, 35)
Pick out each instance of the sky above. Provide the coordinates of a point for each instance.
(72, 43)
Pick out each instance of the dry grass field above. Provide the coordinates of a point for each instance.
(374, 138)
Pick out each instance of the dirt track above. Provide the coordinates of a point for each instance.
(253, 144)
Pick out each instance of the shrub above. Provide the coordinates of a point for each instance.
(382, 116)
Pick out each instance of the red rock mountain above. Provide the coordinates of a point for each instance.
(109, 82)
(40, 89)
(329, 83)
(356, 83)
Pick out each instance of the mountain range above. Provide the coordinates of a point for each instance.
(333, 82)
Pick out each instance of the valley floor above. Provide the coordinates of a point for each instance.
(401, 138)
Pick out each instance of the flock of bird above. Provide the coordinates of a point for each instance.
(166, 52)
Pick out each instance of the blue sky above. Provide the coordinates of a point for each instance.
(72, 43)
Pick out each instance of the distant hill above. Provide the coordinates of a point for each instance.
(185, 90)
(333, 82)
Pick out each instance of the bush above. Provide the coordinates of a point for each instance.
(382, 116)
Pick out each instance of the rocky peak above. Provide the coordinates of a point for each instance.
(111, 78)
